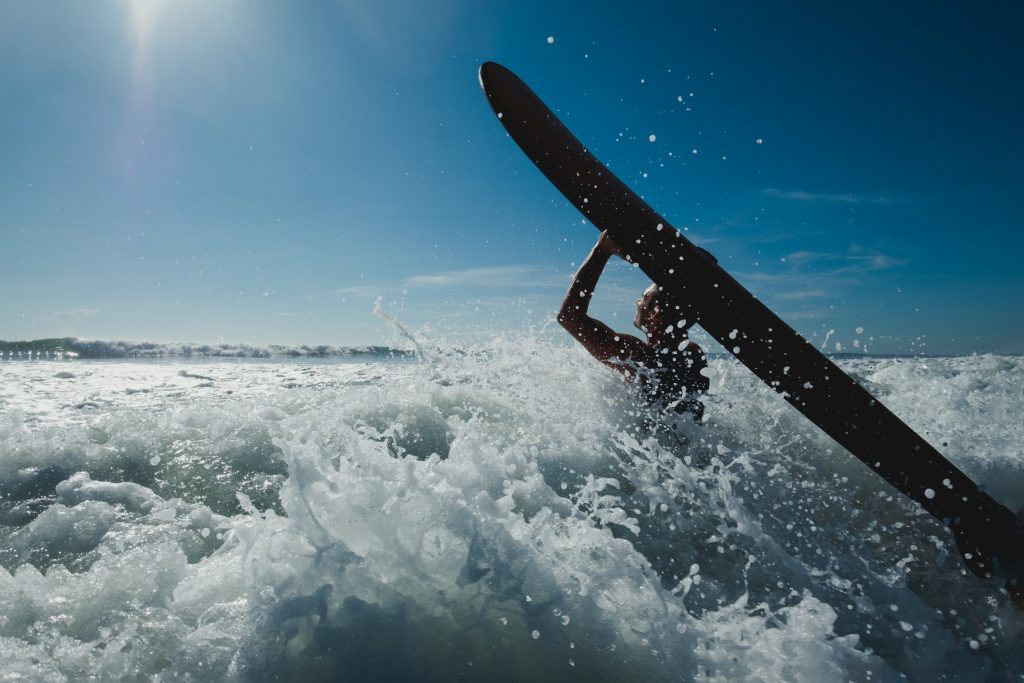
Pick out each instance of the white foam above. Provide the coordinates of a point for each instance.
(426, 520)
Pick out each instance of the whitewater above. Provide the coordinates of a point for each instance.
(505, 511)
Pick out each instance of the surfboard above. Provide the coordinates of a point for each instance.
(986, 532)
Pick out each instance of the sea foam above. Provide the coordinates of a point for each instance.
(502, 512)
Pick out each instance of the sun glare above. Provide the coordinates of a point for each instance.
(144, 15)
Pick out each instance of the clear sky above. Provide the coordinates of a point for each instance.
(190, 170)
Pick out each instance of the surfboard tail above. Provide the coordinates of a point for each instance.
(992, 547)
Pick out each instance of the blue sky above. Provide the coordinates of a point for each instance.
(260, 171)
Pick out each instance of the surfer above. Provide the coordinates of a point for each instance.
(667, 366)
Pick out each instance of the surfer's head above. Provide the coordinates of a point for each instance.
(656, 310)
(648, 312)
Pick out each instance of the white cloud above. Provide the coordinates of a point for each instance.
(856, 259)
(361, 291)
(805, 196)
(525, 276)
(72, 314)
(802, 294)
(504, 277)
(808, 277)
(869, 262)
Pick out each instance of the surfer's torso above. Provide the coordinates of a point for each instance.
(671, 378)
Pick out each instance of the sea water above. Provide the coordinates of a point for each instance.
(501, 512)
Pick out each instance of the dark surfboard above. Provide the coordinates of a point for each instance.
(985, 531)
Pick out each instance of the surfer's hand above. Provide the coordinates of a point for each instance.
(607, 245)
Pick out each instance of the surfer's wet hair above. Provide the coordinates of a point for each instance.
(668, 305)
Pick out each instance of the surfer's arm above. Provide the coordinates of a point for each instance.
(603, 343)
(581, 291)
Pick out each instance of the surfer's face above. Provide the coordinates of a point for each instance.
(648, 314)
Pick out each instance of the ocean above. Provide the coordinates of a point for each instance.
(505, 511)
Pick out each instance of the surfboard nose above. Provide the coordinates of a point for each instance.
(500, 84)
(489, 72)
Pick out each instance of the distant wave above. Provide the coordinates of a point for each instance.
(70, 348)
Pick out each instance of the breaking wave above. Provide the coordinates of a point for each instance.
(70, 348)
(505, 512)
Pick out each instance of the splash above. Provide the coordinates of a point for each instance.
(503, 511)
